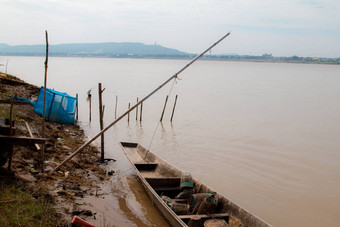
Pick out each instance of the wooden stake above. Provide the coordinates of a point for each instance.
(166, 100)
(101, 122)
(77, 106)
(173, 110)
(137, 110)
(89, 96)
(116, 107)
(129, 113)
(11, 131)
(141, 112)
(11, 116)
(6, 65)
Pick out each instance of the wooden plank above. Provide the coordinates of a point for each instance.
(164, 182)
(203, 216)
(22, 140)
(161, 189)
(16, 102)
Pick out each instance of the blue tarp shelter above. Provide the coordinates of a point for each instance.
(59, 107)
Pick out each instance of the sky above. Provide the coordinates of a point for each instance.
(309, 28)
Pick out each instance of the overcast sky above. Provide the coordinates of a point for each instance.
(278, 27)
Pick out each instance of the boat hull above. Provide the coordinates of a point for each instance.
(158, 177)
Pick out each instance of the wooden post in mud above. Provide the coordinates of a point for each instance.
(101, 122)
(129, 114)
(141, 112)
(137, 111)
(173, 110)
(166, 100)
(116, 107)
(77, 100)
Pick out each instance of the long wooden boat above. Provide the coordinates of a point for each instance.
(162, 180)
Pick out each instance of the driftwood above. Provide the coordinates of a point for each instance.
(31, 135)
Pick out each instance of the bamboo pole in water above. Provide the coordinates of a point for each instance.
(116, 107)
(101, 121)
(77, 106)
(141, 112)
(137, 110)
(166, 101)
(89, 96)
(173, 109)
(138, 103)
(129, 113)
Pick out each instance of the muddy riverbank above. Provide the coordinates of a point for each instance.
(79, 184)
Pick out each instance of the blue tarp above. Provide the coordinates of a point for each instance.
(59, 107)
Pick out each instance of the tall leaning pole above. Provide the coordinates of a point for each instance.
(138, 103)
(42, 151)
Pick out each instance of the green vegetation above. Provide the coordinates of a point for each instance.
(19, 208)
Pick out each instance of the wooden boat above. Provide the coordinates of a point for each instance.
(160, 179)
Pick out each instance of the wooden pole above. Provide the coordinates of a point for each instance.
(42, 151)
(166, 100)
(101, 122)
(116, 107)
(89, 97)
(134, 106)
(77, 106)
(11, 131)
(6, 65)
(129, 113)
(11, 115)
(173, 110)
(141, 112)
(137, 110)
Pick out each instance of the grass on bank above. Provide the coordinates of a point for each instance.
(19, 208)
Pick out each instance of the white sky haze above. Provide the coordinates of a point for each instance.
(279, 27)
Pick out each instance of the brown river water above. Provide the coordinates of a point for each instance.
(265, 135)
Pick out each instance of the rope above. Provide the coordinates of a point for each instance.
(154, 133)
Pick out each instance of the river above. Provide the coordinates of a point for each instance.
(265, 135)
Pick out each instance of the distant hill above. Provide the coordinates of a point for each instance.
(125, 49)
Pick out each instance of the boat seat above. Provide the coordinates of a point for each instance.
(146, 166)
(165, 185)
(159, 182)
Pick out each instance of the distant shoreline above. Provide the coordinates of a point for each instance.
(143, 51)
(231, 58)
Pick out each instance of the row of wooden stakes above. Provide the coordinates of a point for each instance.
(102, 107)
